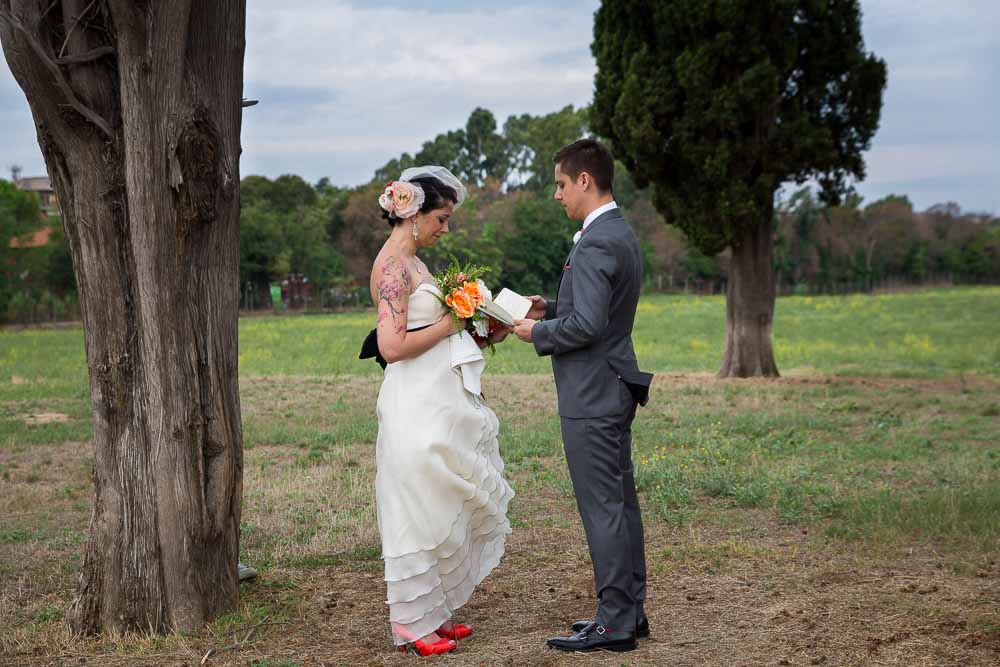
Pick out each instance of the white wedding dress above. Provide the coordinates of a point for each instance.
(442, 499)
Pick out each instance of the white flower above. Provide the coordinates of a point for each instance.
(482, 327)
(484, 290)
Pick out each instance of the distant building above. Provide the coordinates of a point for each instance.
(41, 186)
(49, 205)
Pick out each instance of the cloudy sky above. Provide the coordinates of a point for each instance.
(346, 86)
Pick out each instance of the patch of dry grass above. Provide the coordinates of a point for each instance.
(732, 582)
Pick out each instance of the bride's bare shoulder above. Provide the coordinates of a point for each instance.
(389, 269)
(389, 262)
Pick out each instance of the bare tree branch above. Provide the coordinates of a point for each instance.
(69, 33)
(48, 9)
(93, 54)
(61, 81)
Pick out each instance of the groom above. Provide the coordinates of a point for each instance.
(587, 331)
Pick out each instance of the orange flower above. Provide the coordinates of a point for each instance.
(472, 289)
(461, 302)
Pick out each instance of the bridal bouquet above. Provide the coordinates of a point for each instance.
(463, 293)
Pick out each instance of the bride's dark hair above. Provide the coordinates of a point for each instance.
(436, 194)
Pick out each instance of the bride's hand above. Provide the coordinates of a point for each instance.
(449, 327)
(500, 334)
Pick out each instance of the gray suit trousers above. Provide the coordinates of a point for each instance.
(599, 455)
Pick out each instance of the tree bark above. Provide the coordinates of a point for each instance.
(750, 294)
(139, 124)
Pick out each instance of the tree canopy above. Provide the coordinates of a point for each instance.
(19, 211)
(717, 103)
(329, 234)
(18, 215)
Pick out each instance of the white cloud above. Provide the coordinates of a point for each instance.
(890, 164)
(346, 86)
(402, 76)
(937, 132)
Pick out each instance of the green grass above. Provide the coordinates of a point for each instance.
(882, 441)
(860, 461)
(17, 536)
(923, 334)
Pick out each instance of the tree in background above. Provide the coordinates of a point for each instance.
(286, 226)
(137, 107)
(533, 140)
(881, 243)
(961, 246)
(18, 214)
(535, 245)
(716, 104)
(667, 260)
(326, 236)
(476, 233)
(484, 157)
(476, 154)
(36, 281)
(795, 239)
(852, 248)
(522, 235)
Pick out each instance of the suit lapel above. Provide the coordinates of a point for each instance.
(566, 265)
(604, 217)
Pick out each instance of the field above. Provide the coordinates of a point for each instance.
(845, 514)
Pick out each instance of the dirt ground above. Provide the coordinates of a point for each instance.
(745, 590)
(774, 603)
(763, 596)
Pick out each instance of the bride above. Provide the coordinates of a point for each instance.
(441, 496)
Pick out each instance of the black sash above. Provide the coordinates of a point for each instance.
(369, 348)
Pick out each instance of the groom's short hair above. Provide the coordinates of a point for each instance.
(588, 155)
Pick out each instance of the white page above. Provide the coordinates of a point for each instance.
(513, 303)
(497, 312)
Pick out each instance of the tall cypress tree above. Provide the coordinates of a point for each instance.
(717, 103)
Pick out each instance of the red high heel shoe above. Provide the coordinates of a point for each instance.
(424, 649)
(456, 631)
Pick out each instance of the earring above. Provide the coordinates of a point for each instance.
(415, 234)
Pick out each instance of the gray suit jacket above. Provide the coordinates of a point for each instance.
(588, 328)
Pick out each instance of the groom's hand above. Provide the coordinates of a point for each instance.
(538, 308)
(522, 328)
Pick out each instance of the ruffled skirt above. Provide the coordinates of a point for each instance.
(441, 496)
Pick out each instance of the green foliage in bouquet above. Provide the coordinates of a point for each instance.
(462, 293)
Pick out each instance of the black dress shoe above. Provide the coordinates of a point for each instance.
(596, 637)
(641, 628)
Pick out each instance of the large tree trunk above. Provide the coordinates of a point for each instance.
(138, 112)
(750, 294)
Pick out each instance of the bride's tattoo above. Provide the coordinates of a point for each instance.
(394, 290)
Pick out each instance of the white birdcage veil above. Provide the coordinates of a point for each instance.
(441, 174)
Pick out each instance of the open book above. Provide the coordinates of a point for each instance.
(506, 307)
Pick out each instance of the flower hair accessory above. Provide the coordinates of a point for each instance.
(401, 199)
